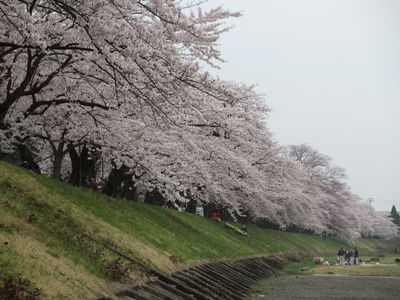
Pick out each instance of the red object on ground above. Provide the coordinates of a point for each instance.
(215, 215)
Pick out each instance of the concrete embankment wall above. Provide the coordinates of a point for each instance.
(227, 279)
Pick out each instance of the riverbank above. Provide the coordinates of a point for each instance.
(72, 243)
(328, 287)
(374, 277)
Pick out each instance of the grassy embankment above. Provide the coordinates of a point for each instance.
(54, 235)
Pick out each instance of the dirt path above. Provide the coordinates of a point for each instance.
(328, 287)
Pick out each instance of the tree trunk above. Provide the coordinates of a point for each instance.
(83, 166)
(56, 174)
(116, 179)
(57, 163)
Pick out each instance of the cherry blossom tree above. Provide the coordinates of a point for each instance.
(134, 54)
(121, 82)
(347, 216)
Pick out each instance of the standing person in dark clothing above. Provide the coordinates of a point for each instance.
(346, 257)
(340, 255)
(25, 165)
(355, 255)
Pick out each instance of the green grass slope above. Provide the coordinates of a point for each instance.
(58, 236)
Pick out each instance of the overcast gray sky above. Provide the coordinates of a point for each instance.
(330, 71)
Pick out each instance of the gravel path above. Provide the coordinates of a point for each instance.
(328, 287)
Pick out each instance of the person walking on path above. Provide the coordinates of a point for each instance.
(351, 258)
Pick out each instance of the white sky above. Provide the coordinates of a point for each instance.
(330, 71)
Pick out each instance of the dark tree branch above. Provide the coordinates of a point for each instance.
(72, 46)
(32, 7)
(48, 103)
(37, 88)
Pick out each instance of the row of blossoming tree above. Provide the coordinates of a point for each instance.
(115, 90)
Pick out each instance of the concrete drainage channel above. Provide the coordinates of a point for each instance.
(216, 280)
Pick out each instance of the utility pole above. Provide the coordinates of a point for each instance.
(80, 166)
(370, 200)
